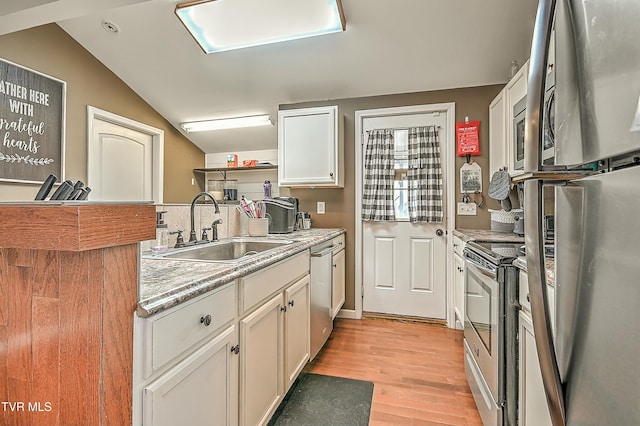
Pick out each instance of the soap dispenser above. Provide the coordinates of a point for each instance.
(161, 242)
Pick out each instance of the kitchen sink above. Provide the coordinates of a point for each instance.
(222, 251)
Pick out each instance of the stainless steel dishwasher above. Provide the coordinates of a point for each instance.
(321, 276)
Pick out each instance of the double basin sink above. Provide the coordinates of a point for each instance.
(227, 251)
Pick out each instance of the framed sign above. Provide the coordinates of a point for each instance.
(470, 178)
(32, 124)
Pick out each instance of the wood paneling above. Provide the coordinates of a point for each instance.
(66, 351)
(46, 366)
(119, 303)
(417, 370)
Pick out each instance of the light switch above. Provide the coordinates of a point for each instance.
(467, 209)
(320, 207)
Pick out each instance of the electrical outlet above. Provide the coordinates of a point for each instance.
(320, 207)
(467, 209)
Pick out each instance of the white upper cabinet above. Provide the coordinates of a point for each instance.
(499, 149)
(310, 147)
(502, 130)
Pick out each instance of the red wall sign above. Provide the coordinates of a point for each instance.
(468, 138)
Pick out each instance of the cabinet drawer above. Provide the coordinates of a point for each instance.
(260, 285)
(180, 329)
(338, 243)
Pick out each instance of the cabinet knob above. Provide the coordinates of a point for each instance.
(206, 320)
(235, 349)
(439, 232)
(528, 300)
(331, 174)
(291, 303)
(283, 309)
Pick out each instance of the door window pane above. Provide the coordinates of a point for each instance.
(401, 164)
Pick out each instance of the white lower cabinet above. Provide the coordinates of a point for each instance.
(297, 338)
(261, 338)
(274, 348)
(458, 282)
(533, 410)
(458, 291)
(201, 390)
(532, 403)
(228, 357)
(185, 371)
(337, 283)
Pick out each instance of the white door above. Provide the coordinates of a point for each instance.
(403, 263)
(124, 160)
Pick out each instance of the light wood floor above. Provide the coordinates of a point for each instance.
(417, 370)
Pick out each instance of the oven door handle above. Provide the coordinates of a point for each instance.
(489, 273)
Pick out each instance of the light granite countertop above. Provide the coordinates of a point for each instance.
(166, 283)
(467, 235)
(521, 262)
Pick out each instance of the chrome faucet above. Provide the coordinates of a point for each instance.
(192, 235)
(214, 226)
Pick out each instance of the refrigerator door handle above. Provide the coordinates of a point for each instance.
(536, 85)
(537, 279)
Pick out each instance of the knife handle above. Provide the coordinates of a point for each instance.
(46, 187)
(84, 193)
(63, 191)
(77, 190)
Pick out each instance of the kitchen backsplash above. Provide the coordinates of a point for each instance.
(177, 217)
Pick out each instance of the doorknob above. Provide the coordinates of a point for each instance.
(439, 232)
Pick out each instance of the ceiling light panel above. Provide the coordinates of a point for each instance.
(227, 123)
(219, 25)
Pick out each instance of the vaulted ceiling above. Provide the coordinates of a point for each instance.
(389, 46)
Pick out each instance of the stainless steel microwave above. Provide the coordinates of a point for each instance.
(548, 127)
(549, 120)
(518, 133)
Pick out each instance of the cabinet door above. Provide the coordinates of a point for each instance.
(296, 330)
(309, 141)
(201, 390)
(458, 290)
(337, 283)
(498, 146)
(532, 404)
(261, 376)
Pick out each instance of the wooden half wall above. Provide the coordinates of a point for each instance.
(66, 314)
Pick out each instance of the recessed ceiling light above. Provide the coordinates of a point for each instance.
(110, 27)
(219, 25)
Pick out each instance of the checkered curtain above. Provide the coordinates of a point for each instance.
(424, 175)
(377, 198)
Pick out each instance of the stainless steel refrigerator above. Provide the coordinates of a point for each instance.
(591, 368)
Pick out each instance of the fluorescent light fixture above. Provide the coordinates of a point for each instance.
(219, 25)
(227, 123)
